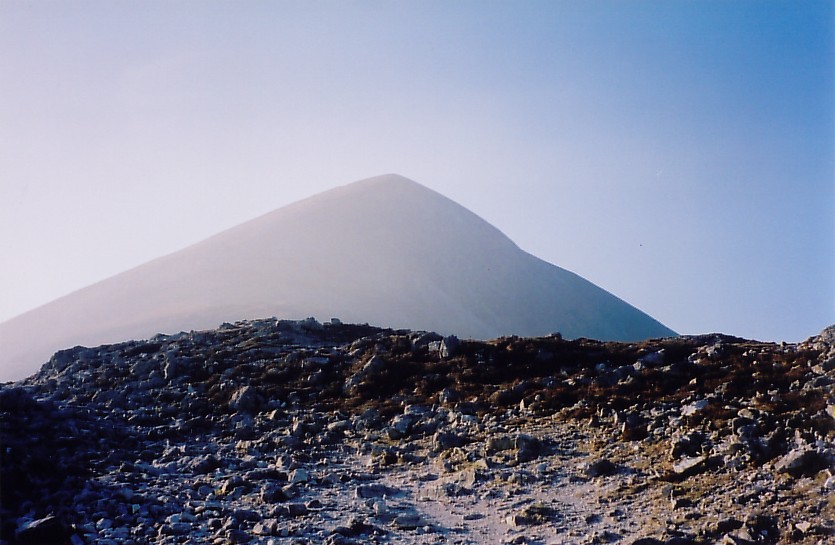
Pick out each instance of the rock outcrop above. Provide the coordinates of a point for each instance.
(281, 432)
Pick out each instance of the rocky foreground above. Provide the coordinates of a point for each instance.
(280, 432)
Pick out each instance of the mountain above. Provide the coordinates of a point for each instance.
(384, 250)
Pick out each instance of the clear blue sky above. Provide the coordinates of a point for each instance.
(677, 153)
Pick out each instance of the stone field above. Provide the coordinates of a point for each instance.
(296, 432)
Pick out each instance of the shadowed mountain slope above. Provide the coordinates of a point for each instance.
(385, 250)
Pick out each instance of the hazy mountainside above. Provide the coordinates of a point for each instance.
(299, 433)
(385, 250)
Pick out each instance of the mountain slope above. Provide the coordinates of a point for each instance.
(385, 250)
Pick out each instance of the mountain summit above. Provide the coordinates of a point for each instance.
(385, 250)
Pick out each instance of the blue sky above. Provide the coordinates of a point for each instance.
(677, 153)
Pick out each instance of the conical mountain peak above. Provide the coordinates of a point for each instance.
(390, 186)
(384, 250)
(386, 180)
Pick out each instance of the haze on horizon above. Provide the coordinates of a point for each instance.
(677, 154)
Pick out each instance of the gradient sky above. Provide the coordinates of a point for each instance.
(677, 153)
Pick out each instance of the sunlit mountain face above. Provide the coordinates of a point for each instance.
(385, 250)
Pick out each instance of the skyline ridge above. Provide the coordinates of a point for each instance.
(384, 250)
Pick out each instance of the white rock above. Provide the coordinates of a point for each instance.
(300, 476)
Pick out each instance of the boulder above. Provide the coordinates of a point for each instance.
(802, 461)
(48, 530)
(245, 400)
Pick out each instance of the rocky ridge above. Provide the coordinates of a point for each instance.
(288, 432)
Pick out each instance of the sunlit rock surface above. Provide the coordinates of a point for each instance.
(282, 432)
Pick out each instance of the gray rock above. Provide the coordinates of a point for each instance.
(203, 464)
(687, 445)
(233, 484)
(531, 515)
(299, 428)
(524, 441)
(170, 368)
(267, 527)
(601, 468)
(337, 539)
(425, 340)
(408, 521)
(245, 400)
(49, 529)
(300, 476)
(297, 509)
(455, 490)
(449, 346)
(272, 493)
(694, 407)
(237, 536)
(448, 396)
(690, 466)
(442, 441)
(804, 526)
(177, 528)
(374, 365)
(375, 491)
(801, 461)
(728, 524)
(356, 527)
(401, 425)
(653, 359)
(528, 448)
(500, 443)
